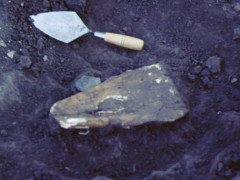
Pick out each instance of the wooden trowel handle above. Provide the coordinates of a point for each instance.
(124, 41)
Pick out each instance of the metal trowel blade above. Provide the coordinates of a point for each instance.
(64, 26)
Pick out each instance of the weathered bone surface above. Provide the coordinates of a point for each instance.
(132, 98)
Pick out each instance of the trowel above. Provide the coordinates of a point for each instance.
(67, 26)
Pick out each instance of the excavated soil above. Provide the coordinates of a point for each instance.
(197, 39)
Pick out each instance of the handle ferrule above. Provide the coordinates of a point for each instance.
(100, 34)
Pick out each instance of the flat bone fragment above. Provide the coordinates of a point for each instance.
(135, 97)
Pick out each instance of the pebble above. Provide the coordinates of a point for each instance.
(189, 23)
(86, 82)
(178, 52)
(3, 133)
(214, 64)
(237, 7)
(10, 54)
(205, 72)
(37, 69)
(234, 80)
(45, 58)
(219, 166)
(2, 43)
(40, 43)
(25, 62)
(46, 4)
(206, 81)
(191, 76)
(24, 52)
(196, 70)
(236, 33)
(125, 29)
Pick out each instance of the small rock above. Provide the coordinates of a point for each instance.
(2, 43)
(206, 81)
(9, 92)
(189, 23)
(237, 6)
(25, 62)
(87, 82)
(219, 166)
(24, 52)
(171, 173)
(62, 59)
(3, 133)
(178, 52)
(37, 69)
(196, 70)
(234, 80)
(10, 54)
(214, 64)
(205, 72)
(45, 58)
(125, 29)
(229, 124)
(46, 4)
(40, 43)
(236, 33)
(191, 76)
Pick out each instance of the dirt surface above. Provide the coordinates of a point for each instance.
(198, 40)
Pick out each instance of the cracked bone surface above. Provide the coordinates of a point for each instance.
(132, 98)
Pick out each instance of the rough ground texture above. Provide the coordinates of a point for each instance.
(37, 71)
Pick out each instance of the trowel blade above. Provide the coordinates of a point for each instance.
(64, 26)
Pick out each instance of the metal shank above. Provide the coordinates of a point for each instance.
(99, 34)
